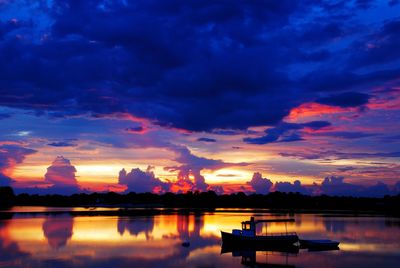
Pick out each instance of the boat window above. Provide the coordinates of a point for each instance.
(245, 226)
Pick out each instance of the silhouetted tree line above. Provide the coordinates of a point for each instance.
(209, 200)
(7, 197)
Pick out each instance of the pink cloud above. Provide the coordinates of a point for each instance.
(11, 154)
(189, 172)
(61, 175)
(385, 99)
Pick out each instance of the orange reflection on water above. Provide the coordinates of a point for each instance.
(91, 236)
(153, 238)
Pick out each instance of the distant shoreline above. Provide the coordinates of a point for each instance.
(129, 212)
(152, 204)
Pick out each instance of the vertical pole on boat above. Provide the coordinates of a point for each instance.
(253, 226)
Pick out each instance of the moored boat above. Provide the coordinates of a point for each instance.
(319, 244)
(247, 235)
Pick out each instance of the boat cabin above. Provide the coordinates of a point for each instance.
(249, 227)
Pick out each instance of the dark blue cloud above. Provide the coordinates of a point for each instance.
(233, 132)
(5, 180)
(135, 129)
(365, 4)
(328, 80)
(4, 116)
(321, 55)
(315, 125)
(286, 132)
(62, 144)
(259, 184)
(317, 32)
(193, 65)
(206, 139)
(7, 27)
(335, 185)
(379, 47)
(390, 139)
(294, 187)
(346, 99)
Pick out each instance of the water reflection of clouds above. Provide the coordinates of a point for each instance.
(334, 226)
(10, 251)
(341, 225)
(392, 223)
(121, 242)
(189, 225)
(369, 235)
(135, 226)
(58, 230)
(345, 259)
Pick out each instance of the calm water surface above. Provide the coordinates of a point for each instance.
(39, 240)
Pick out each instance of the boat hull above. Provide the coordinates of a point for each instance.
(314, 245)
(259, 241)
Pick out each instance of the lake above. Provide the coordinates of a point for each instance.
(41, 239)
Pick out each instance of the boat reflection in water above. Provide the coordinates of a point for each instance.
(319, 245)
(246, 243)
(268, 256)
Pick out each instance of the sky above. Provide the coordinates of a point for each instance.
(159, 96)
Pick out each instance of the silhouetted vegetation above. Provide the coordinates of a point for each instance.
(7, 197)
(210, 200)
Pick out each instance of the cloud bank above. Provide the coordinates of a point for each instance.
(331, 185)
(141, 58)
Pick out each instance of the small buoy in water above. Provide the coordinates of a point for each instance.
(186, 244)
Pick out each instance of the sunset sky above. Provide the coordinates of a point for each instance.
(252, 96)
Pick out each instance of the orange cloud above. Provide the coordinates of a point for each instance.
(313, 109)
